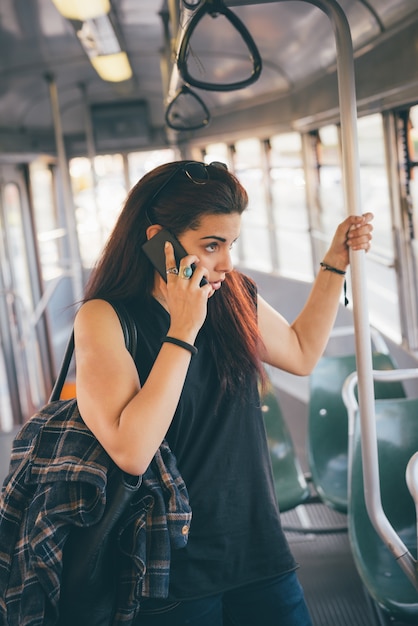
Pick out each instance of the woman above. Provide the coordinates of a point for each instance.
(195, 384)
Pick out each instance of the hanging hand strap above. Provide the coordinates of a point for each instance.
(176, 115)
(130, 334)
(216, 8)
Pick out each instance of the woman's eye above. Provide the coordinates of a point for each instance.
(211, 247)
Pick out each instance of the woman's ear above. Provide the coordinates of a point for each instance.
(153, 230)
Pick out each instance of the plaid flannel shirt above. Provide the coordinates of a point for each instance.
(57, 480)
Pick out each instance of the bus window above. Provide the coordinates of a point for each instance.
(99, 195)
(6, 415)
(140, 163)
(48, 232)
(254, 245)
(98, 198)
(324, 175)
(330, 193)
(381, 274)
(90, 228)
(224, 154)
(217, 152)
(289, 206)
(54, 311)
(19, 277)
(111, 189)
(413, 147)
(374, 181)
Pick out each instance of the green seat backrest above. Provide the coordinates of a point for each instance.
(289, 480)
(327, 439)
(397, 434)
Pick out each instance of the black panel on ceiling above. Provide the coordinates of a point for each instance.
(124, 123)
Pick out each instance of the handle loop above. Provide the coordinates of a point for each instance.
(215, 8)
(174, 115)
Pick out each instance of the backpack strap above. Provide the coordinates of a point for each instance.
(130, 334)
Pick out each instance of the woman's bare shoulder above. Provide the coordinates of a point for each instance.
(96, 318)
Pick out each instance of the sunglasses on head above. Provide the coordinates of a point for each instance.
(197, 172)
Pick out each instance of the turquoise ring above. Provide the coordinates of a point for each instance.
(186, 272)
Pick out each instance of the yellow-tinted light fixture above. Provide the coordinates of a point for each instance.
(101, 44)
(82, 10)
(112, 67)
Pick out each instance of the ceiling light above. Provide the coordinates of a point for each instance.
(96, 32)
(112, 67)
(82, 9)
(97, 37)
(101, 44)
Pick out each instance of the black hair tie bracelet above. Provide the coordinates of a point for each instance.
(335, 270)
(181, 344)
(330, 268)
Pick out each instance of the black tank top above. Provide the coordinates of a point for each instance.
(221, 450)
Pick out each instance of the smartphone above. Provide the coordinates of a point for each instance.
(154, 249)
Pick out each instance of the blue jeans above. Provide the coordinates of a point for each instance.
(274, 602)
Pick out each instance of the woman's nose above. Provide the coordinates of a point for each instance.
(225, 263)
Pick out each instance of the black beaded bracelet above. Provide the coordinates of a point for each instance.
(181, 344)
(330, 268)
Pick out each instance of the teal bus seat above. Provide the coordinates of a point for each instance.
(327, 439)
(384, 579)
(289, 480)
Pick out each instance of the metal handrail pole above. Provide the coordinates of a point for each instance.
(68, 197)
(351, 177)
(405, 559)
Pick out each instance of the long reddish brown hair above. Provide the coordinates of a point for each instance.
(124, 272)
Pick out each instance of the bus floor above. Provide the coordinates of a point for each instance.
(333, 589)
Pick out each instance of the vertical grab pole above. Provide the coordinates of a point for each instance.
(75, 261)
(351, 177)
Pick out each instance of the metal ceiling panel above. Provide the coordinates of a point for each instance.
(294, 38)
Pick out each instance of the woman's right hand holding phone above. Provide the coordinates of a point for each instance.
(186, 299)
